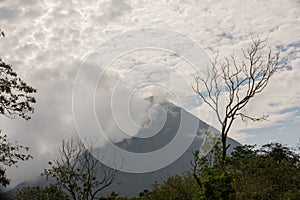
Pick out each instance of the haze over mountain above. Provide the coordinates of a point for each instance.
(131, 184)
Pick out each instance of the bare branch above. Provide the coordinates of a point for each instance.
(254, 119)
(78, 172)
(240, 83)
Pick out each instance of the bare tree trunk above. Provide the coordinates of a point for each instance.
(224, 151)
(239, 82)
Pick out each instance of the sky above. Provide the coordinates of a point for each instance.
(48, 41)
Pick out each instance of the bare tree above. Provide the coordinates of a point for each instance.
(239, 83)
(78, 173)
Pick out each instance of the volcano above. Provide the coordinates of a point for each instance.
(131, 184)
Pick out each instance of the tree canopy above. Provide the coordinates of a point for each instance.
(15, 94)
(15, 101)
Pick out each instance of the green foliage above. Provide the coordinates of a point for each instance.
(213, 180)
(10, 154)
(39, 193)
(175, 187)
(15, 100)
(271, 172)
(115, 196)
(218, 186)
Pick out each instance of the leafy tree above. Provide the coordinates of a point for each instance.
(270, 172)
(175, 187)
(39, 193)
(15, 100)
(239, 83)
(214, 182)
(78, 173)
(10, 154)
(115, 196)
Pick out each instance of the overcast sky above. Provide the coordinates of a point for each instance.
(47, 40)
